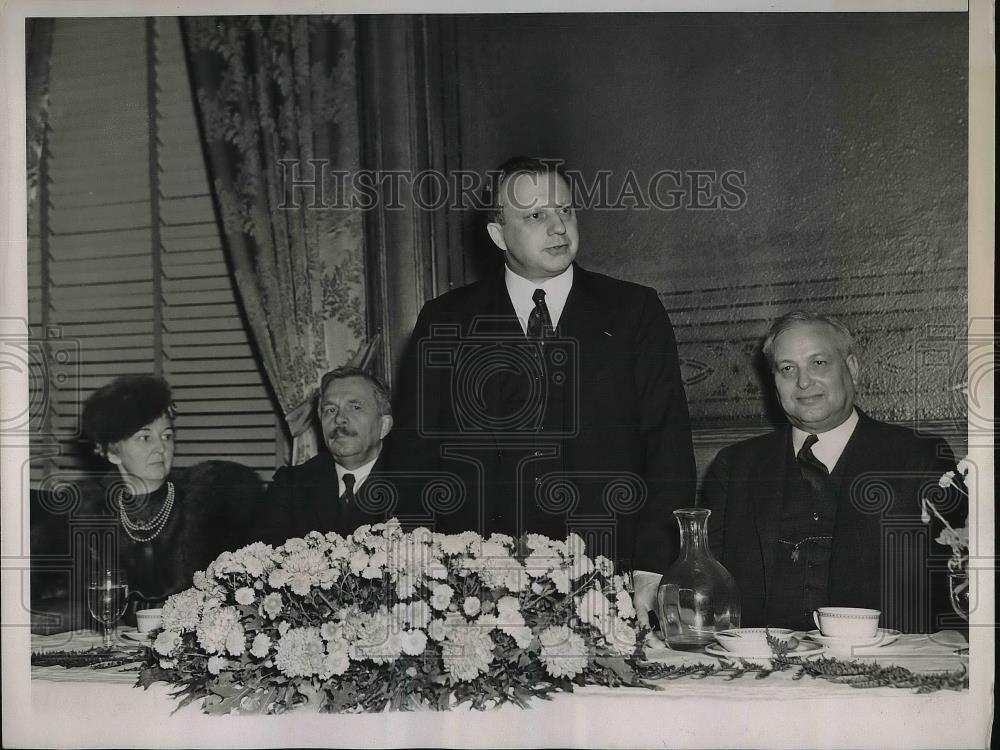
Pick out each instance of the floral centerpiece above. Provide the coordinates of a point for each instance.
(387, 619)
(957, 539)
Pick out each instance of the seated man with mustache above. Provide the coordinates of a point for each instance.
(336, 490)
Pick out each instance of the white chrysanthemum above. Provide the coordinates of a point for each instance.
(414, 642)
(200, 581)
(236, 641)
(166, 642)
(295, 545)
(419, 614)
(257, 558)
(358, 561)
(538, 542)
(441, 596)
(561, 580)
(507, 604)
(438, 630)
(300, 652)
(580, 566)
(278, 578)
(261, 645)
(575, 546)
(272, 605)
(471, 606)
(604, 566)
(592, 607)
(244, 595)
(963, 467)
(623, 601)
(620, 635)
(331, 631)
(283, 627)
(452, 544)
(502, 539)
(421, 535)
(467, 653)
(306, 569)
(541, 563)
(406, 585)
(374, 638)
(215, 664)
(337, 661)
(563, 652)
(361, 533)
(182, 611)
(213, 630)
(487, 623)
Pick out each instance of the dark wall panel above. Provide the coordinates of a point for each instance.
(850, 130)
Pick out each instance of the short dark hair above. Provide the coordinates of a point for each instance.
(793, 318)
(383, 399)
(123, 407)
(514, 166)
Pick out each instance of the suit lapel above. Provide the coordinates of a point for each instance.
(855, 537)
(767, 493)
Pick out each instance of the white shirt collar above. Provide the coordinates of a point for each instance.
(831, 443)
(519, 289)
(360, 475)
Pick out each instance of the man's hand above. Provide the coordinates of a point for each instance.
(644, 597)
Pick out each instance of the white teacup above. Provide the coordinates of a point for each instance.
(751, 641)
(147, 620)
(847, 622)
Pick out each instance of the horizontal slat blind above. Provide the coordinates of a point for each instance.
(102, 252)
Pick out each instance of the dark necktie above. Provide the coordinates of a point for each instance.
(813, 470)
(539, 319)
(348, 497)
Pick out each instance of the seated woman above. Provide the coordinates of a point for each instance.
(156, 524)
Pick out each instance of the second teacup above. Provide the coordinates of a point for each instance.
(147, 620)
(847, 622)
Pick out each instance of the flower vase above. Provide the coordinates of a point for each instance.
(958, 585)
(697, 595)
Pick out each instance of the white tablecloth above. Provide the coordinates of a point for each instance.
(776, 711)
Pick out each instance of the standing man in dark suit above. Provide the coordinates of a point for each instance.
(338, 489)
(826, 511)
(553, 392)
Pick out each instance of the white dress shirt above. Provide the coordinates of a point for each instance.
(831, 443)
(360, 475)
(520, 290)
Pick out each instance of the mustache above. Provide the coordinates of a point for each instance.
(342, 432)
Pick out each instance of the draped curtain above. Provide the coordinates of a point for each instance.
(38, 47)
(276, 97)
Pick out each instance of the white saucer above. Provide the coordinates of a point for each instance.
(804, 649)
(883, 637)
(135, 635)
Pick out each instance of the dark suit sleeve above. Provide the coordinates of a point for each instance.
(714, 494)
(408, 453)
(665, 431)
(276, 508)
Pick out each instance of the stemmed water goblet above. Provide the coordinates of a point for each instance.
(107, 598)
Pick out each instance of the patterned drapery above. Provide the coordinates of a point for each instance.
(37, 48)
(277, 98)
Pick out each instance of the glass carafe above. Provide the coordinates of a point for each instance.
(697, 595)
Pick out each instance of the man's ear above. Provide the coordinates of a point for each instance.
(853, 366)
(386, 426)
(496, 234)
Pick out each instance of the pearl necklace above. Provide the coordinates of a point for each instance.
(137, 531)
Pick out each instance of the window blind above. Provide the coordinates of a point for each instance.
(126, 264)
